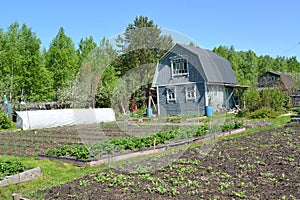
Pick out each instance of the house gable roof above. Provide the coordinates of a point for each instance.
(216, 69)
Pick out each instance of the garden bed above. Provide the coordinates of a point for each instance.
(262, 165)
(133, 154)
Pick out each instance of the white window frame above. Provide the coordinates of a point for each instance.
(190, 94)
(179, 60)
(169, 92)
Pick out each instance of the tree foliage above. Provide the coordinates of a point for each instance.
(84, 48)
(62, 61)
(141, 43)
(88, 74)
(248, 66)
(22, 67)
(96, 71)
(106, 87)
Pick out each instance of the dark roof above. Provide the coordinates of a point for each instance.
(287, 79)
(217, 70)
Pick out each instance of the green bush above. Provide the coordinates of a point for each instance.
(252, 99)
(273, 98)
(263, 113)
(5, 121)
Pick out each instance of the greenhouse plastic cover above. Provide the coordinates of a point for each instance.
(52, 118)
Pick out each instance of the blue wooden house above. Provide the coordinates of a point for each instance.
(188, 78)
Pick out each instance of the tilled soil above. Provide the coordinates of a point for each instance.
(264, 165)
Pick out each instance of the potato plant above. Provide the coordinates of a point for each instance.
(77, 150)
(8, 168)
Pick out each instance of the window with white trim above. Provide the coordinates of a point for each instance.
(190, 92)
(171, 95)
(179, 66)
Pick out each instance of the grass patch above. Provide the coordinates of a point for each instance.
(54, 173)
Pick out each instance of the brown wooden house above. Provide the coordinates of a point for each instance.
(284, 81)
(277, 79)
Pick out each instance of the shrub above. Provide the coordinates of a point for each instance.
(5, 121)
(252, 99)
(263, 113)
(273, 98)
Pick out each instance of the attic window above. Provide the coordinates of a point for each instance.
(171, 95)
(179, 66)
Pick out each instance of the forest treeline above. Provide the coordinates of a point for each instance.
(248, 66)
(43, 75)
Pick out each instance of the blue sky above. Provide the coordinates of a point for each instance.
(266, 27)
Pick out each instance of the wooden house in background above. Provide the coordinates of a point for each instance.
(188, 78)
(276, 79)
(272, 79)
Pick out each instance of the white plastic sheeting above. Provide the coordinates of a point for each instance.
(52, 118)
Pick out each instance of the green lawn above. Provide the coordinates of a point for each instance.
(54, 173)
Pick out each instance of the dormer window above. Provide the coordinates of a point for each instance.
(179, 66)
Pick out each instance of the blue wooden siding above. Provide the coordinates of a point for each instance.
(181, 105)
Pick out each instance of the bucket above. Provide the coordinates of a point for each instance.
(149, 112)
(208, 111)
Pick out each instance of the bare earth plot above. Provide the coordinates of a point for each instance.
(264, 165)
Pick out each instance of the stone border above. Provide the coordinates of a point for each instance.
(21, 177)
(94, 162)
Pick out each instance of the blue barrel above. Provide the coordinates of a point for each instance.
(208, 111)
(149, 112)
